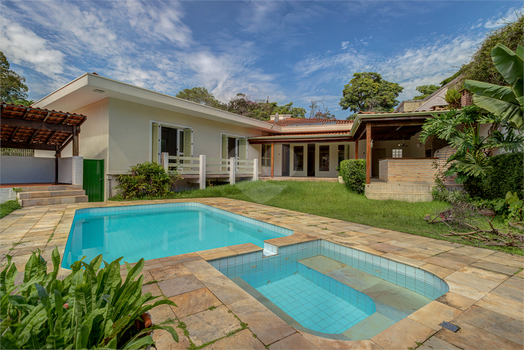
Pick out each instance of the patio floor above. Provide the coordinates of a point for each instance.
(486, 297)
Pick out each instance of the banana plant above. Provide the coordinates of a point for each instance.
(504, 101)
(91, 308)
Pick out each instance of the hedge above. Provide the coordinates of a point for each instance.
(506, 175)
(353, 171)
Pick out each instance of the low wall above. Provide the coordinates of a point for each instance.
(71, 170)
(19, 170)
(7, 194)
(407, 169)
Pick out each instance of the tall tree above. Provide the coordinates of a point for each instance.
(425, 91)
(202, 96)
(12, 87)
(367, 91)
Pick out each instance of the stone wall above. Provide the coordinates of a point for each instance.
(408, 170)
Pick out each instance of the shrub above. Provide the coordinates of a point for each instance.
(505, 175)
(146, 179)
(353, 171)
(89, 309)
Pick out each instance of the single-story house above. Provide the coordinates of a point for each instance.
(127, 125)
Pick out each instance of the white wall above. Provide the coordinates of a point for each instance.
(19, 170)
(71, 170)
(7, 194)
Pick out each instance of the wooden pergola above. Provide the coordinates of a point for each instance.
(26, 127)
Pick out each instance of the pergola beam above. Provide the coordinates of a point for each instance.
(37, 125)
(368, 153)
(23, 145)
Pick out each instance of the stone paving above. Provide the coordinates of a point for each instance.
(486, 297)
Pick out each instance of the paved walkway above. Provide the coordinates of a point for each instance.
(486, 297)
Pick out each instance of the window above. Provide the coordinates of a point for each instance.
(266, 155)
(298, 164)
(397, 153)
(323, 158)
(341, 153)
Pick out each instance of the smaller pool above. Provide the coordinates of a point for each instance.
(160, 230)
(333, 291)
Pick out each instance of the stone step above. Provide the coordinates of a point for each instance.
(398, 187)
(47, 194)
(53, 200)
(404, 197)
(48, 188)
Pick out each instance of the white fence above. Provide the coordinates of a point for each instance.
(212, 167)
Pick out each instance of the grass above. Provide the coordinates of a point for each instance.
(8, 207)
(334, 200)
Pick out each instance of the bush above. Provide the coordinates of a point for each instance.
(353, 171)
(8, 207)
(505, 175)
(89, 309)
(146, 180)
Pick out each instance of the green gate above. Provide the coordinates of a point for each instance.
(94, 179)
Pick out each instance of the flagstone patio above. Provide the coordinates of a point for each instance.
(486, 297)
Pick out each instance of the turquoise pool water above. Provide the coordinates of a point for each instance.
(160, 230)
(333, 291)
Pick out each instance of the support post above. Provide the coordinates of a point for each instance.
(356, 149)
(202, 172)
(76, 148)
(165, 161)
(272, 159)
(368, 153)
(232, 170)
(57, 156)
(255, 169)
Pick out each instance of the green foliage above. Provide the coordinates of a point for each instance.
(8, 207)
(92, 308)
(12, 87)
(145, 180)
(504, 175)
(481, 67)
(296, 112)
(202, 96)
(425, 90)
(447, 80)
(367, 91)
(504, 101)
(353, 171)
(460, 128)
(452, 97)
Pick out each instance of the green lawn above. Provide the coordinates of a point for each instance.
(8, 207)
(334, 200)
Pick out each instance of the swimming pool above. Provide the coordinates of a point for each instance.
(331, 290)
(160, 230)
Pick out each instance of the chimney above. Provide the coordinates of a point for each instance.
(466, 98)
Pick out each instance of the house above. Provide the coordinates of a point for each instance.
(127, 125)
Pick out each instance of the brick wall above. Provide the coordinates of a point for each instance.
(466, 98)
(408, 170)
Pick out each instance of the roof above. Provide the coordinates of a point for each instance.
(306, 122)
(338, 136)
(437, 98)
(37, 128)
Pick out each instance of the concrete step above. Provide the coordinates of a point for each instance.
(404, 197)
(53, 200)
(398, 187)
(47, 194)
(48, 188)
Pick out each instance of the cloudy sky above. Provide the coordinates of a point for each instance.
(287, 50)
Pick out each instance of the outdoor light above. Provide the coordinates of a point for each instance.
(99, 91)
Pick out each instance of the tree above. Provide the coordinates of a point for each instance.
(296, 112)
(425, 90)
(481, 66)
(367, 91)
(12, 87)
(506, 102)
(202, 96)
(324, 113)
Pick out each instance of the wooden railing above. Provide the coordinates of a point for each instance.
(203, 166)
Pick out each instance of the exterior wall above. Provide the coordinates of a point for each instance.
(20, 170)
(408, 170)
(71, 170)
(7, 194)
(130, 134)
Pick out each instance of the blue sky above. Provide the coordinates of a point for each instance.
(289, 51)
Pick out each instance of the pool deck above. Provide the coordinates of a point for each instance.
(486, 297)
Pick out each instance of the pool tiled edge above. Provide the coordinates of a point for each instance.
(479, 281)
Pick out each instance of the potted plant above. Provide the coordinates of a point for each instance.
(91, 308)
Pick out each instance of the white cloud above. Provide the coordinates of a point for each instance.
(502, 19)
(23, 46)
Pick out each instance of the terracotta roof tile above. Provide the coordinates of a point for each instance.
(293, 121)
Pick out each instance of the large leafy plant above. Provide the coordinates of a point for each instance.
(91, 308)
(504, 101)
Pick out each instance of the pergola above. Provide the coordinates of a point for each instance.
(26, 127)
